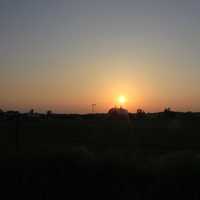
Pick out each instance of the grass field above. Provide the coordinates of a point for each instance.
(136, 159)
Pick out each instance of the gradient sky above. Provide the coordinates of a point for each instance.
(65, 55)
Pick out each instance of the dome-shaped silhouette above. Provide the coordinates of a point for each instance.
(118, 113)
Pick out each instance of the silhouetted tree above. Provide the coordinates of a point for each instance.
(140, 113)
(49, 112)
(31, 112)
(167, 110)
(169, 113)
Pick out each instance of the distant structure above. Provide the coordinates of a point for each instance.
(140, 113)
(12, 114)
(93, 106)
(49, 114)
(31, 112)
(1, 113)
(118, 113)
(168, 113)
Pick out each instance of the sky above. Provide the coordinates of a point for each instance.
(64, 55)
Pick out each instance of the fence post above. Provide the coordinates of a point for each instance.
(17, 134)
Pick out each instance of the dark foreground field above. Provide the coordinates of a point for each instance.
(100, 158)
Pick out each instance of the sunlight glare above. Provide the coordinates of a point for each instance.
(121, 99)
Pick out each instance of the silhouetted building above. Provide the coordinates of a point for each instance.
(118, 113)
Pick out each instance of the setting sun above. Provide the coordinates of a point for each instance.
(121, 99)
